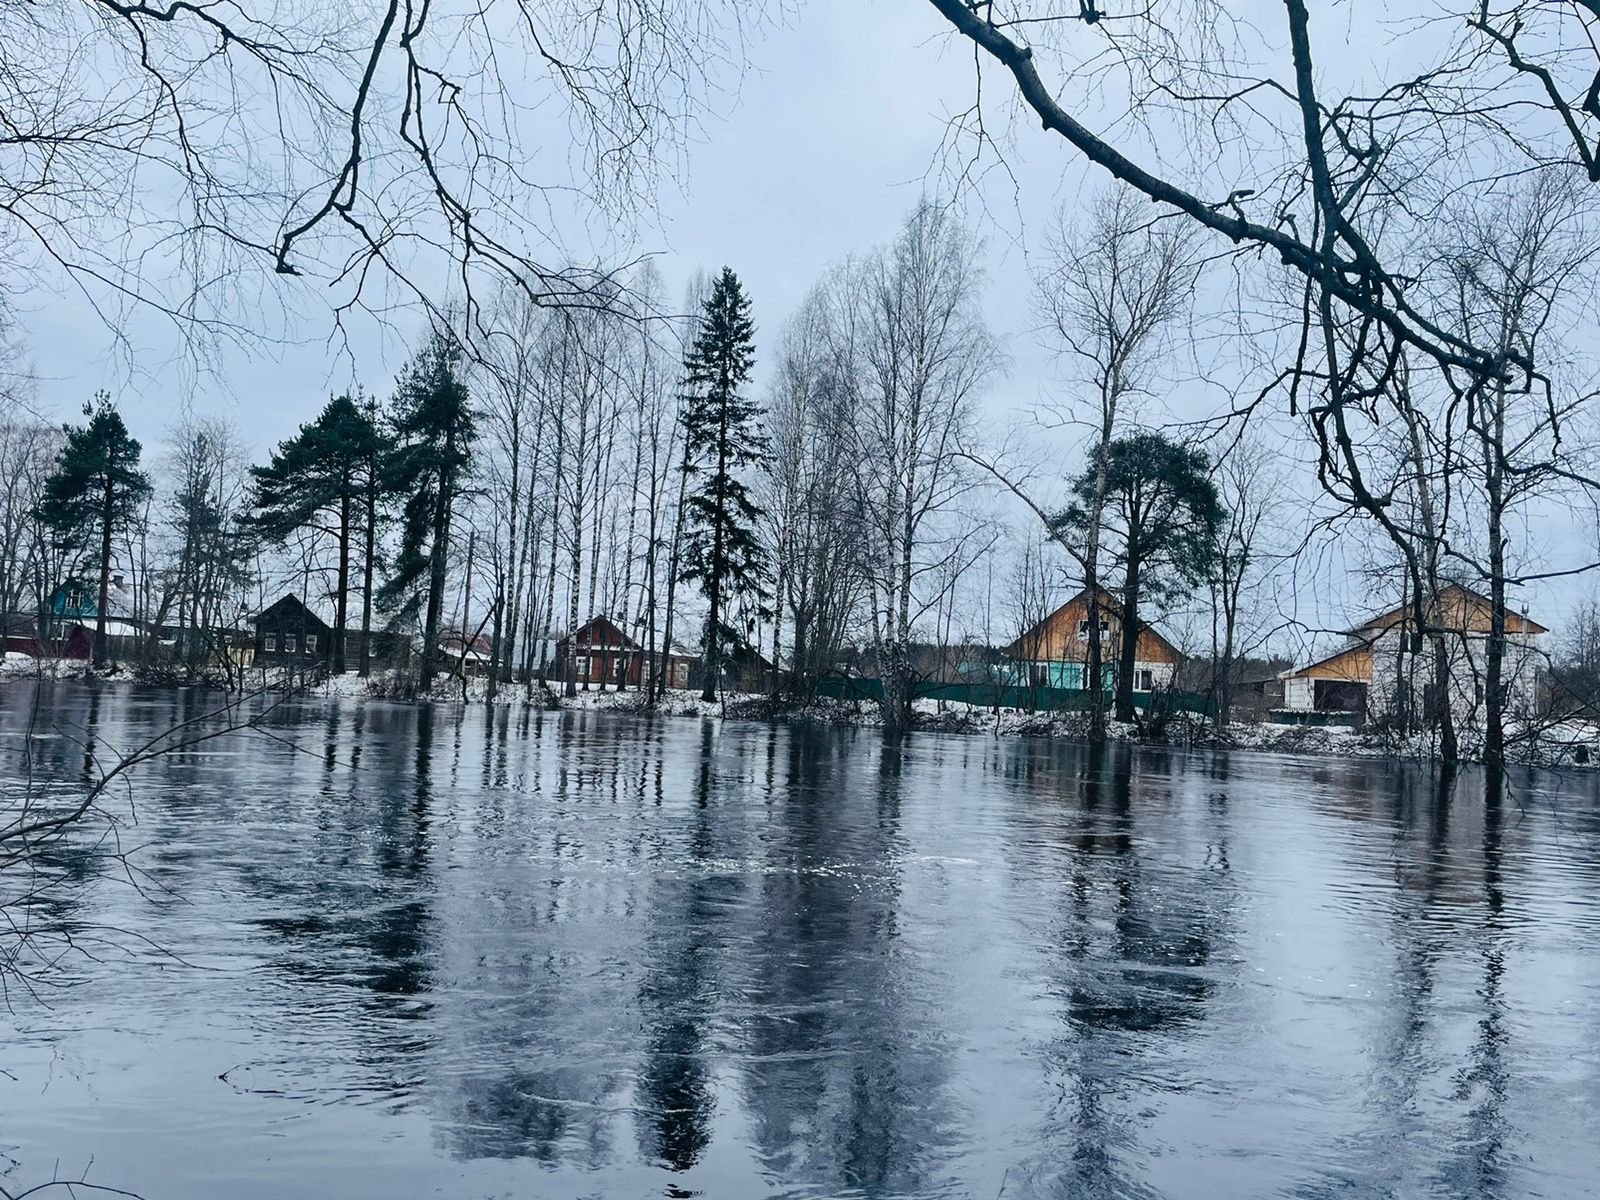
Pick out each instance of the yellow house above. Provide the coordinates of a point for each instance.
(1053, 652)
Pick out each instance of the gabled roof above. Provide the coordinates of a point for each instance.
(604, 634)
(1394, 616)
(289, 609)
(1109, 605)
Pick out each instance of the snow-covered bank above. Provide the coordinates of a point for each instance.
(1568, 743)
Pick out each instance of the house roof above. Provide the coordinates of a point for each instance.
(289, 608)
(1109, 604)
(603, 633)
(1395, 615)
(1352, 652)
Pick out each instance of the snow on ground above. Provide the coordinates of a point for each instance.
(25, 666)
(1566, 743)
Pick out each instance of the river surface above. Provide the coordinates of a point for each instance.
(384, 951)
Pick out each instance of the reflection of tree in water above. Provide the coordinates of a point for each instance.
(530, 1061)
(679, 989)
(843, 1078)
(1447, 908)
(355, 914)
(1138, 952)
(1134, 945)
(1479, 1168)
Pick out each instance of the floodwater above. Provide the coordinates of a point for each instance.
(382, 951)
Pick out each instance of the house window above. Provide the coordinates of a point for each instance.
(1146, 680)
(580, 666)
(288, 643)
(311, 643)
(269, 643)
(1083, 630)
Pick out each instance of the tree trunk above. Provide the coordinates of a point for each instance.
(438, 560)
(1130, 639)
(1094, 679)
(713, 660)
(102, 647)
(367, 568)
(1494, 744)
(341, 603)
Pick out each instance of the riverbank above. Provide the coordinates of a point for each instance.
(1569, 743)
(1559, 744)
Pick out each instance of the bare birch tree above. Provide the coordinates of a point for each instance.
(919, 354)
(814, 532)
(1109, 291)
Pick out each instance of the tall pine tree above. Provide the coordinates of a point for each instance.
(722, 441)
(1162, 517)
(95, 492)
(325, 478)
(434, 428)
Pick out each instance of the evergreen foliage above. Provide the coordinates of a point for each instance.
(1162, 517)
(723, 441)
(434, 427)
(327, 478)
(94, 493)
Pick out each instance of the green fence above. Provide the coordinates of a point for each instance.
(997, 695)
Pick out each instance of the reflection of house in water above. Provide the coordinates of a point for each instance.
(1377, 667)
(1135, 924)
(1054, 652)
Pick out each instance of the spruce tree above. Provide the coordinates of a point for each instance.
(434, 428)
(722, 441)
(324, 478)
(95, 492)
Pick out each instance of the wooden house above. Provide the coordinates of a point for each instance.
(1366, 676)
(469, 656)
(742, 669)
(288, 634)
(601, 654)
(1053, 653)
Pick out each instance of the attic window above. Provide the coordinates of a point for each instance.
(288, 643)
(311, 643)
(1083, 629)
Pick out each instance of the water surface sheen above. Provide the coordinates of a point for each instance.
(492, 954)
